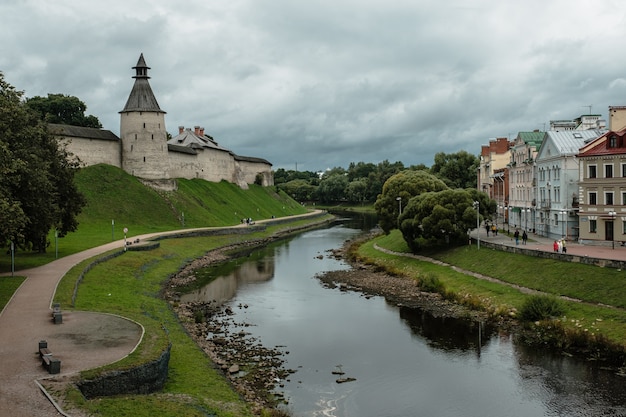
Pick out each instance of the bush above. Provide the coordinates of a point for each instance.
(541, 307)
(429, 282)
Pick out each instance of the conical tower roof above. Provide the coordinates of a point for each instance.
(141, 97)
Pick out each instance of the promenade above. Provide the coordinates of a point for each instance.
(544, 244)
(83, 341)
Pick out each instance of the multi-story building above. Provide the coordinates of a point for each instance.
(557, 168)
(602, 189)
(584, 122)
(522, 196)
(493, 157)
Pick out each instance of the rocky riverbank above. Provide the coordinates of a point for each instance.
(256, 371)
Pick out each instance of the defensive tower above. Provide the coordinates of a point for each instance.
(142, 130)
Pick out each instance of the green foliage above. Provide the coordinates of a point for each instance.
(430, 282)
(541, 307)
(62, 109)
(299, 189)
(404, 185)
(457, 170)
(37, 191)
(332, 188)
(438, 219)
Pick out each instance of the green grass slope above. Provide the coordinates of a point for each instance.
(117, 200)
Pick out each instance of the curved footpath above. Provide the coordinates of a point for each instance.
(86, 340)
(83, 341)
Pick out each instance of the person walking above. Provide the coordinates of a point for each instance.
(563, 248)
(516, 236)
(524, 237)
(556, 245)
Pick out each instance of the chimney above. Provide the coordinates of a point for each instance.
(201, 131)
(196, 130)
(181, 129)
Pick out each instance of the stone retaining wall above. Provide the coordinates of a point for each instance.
(142, 379)
(587, 260)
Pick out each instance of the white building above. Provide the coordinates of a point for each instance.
(557, 182)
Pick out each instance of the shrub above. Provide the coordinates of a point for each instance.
(429, 282)
(541, 307)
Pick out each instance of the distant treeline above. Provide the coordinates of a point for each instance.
(362, 182)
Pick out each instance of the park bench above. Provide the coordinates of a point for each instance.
(52, 364)
(57, 315)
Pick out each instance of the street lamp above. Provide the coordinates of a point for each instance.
(563, 213)
(508, 220)
(399, 199)
(477, 208)
(526, 211)
(612, 214)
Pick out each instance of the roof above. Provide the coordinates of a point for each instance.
(188, 138)
(251, 159)
(533, 138)
(567, 142)
(141, 97)
(81, 132)
(600, 146)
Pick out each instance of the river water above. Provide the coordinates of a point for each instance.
(404, 361)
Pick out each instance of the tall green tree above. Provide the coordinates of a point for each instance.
(37, 191)
(59, 108)
(457, 170)
(397, 192)
(441, 218)
(332, 188)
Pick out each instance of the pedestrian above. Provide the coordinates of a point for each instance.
(516, 235)
(524, 238)
(563, 248)
(560, 246)
(494, 230)
(487, 227)
(556, 246)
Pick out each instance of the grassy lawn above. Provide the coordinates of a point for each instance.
(8, 286)
(603, 290)
(117, 200)
(129, 285)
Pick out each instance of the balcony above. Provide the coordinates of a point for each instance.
(545, 205)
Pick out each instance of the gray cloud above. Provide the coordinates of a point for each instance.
(327, 83)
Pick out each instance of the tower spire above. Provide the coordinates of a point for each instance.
(141, 97)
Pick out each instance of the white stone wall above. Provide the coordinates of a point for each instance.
(95, 151)
(251, 169)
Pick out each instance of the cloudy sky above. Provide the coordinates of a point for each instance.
(319, 84)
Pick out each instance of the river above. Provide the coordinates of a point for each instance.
(404, 362)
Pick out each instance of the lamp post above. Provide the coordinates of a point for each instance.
(508, 221)
(125, 231)
(526, 211)
(563, 213)
(399, 199)
(612, 214)
(477, 208)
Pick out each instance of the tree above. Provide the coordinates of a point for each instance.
(356, 191)
(37, 191)
(439, 218)
(404, 185)
(299, 189)
(457, 170)
(332, 188)
(59, 108)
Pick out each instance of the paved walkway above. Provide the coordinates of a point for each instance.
(545, 244)
(83, 341)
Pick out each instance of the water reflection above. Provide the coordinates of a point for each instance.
(447, 333)
(406, 362)
(222, 286)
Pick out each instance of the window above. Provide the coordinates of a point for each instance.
(623, 199)
(593, 198)
(623, 170)
(608, 171)
(593, 226)
(623, 227)
(592, 171)
(608, 198)
(613, 141)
